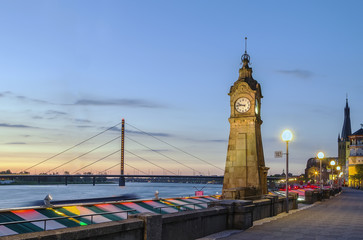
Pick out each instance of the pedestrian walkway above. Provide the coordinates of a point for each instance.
(338, 218)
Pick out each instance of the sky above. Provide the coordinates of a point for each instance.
(72, 69)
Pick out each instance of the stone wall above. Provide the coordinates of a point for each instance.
(194, 224)
(317, 195)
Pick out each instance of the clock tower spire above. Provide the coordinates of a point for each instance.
(245, 172)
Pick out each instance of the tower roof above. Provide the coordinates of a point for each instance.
(245, 73)
(359, 132)
(347, 130)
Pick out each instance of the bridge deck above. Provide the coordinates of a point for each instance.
(340, 217)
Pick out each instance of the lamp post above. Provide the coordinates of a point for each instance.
(332, 164)
(320, 156)
(286, 137)
(339, 168)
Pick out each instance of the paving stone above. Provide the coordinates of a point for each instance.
(338, 218)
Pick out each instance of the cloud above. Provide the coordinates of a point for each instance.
(88, 102)
(15, 125)
(23, 98)
(84, 126)
(53, 112)
(82, 120)
(15, 143)
(297, 73)
(118, 102)
(115, 129)
(4, 94)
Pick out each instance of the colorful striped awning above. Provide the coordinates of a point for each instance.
(81, 215)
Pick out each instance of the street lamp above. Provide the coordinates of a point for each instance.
(332, 164)
(287, 137)
(320, 156)
(339, 168)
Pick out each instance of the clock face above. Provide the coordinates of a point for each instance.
(242, 105)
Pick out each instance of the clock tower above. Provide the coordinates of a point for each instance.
(245, 174)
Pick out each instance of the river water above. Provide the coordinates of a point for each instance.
(13, 196)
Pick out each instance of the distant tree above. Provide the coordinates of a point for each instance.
(353, 178)
(87, 179)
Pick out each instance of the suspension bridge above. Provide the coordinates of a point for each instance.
(52, 172)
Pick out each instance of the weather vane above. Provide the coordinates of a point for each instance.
(245, 56)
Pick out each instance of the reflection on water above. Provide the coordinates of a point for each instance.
(29, 195)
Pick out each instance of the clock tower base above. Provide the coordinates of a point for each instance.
(245, 174)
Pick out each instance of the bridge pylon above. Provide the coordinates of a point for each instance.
(121, 181)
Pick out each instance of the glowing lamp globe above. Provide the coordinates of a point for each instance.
(338, 168)
(320, 155)
(286, 135)
(332, 163)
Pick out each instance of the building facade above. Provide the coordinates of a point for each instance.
(355, 160)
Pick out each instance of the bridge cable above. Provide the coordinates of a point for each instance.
(83, 154)
(126, 165)
(175, 147)
(71, 147)
(150, 162)
(97, 161)
(164, 155)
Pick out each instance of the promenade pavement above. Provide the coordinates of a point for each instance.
(340, 217)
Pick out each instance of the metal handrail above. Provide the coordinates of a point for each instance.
(178, 206)
(59, 218)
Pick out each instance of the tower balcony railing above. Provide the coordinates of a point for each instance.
(356, 145)
(356, 154)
